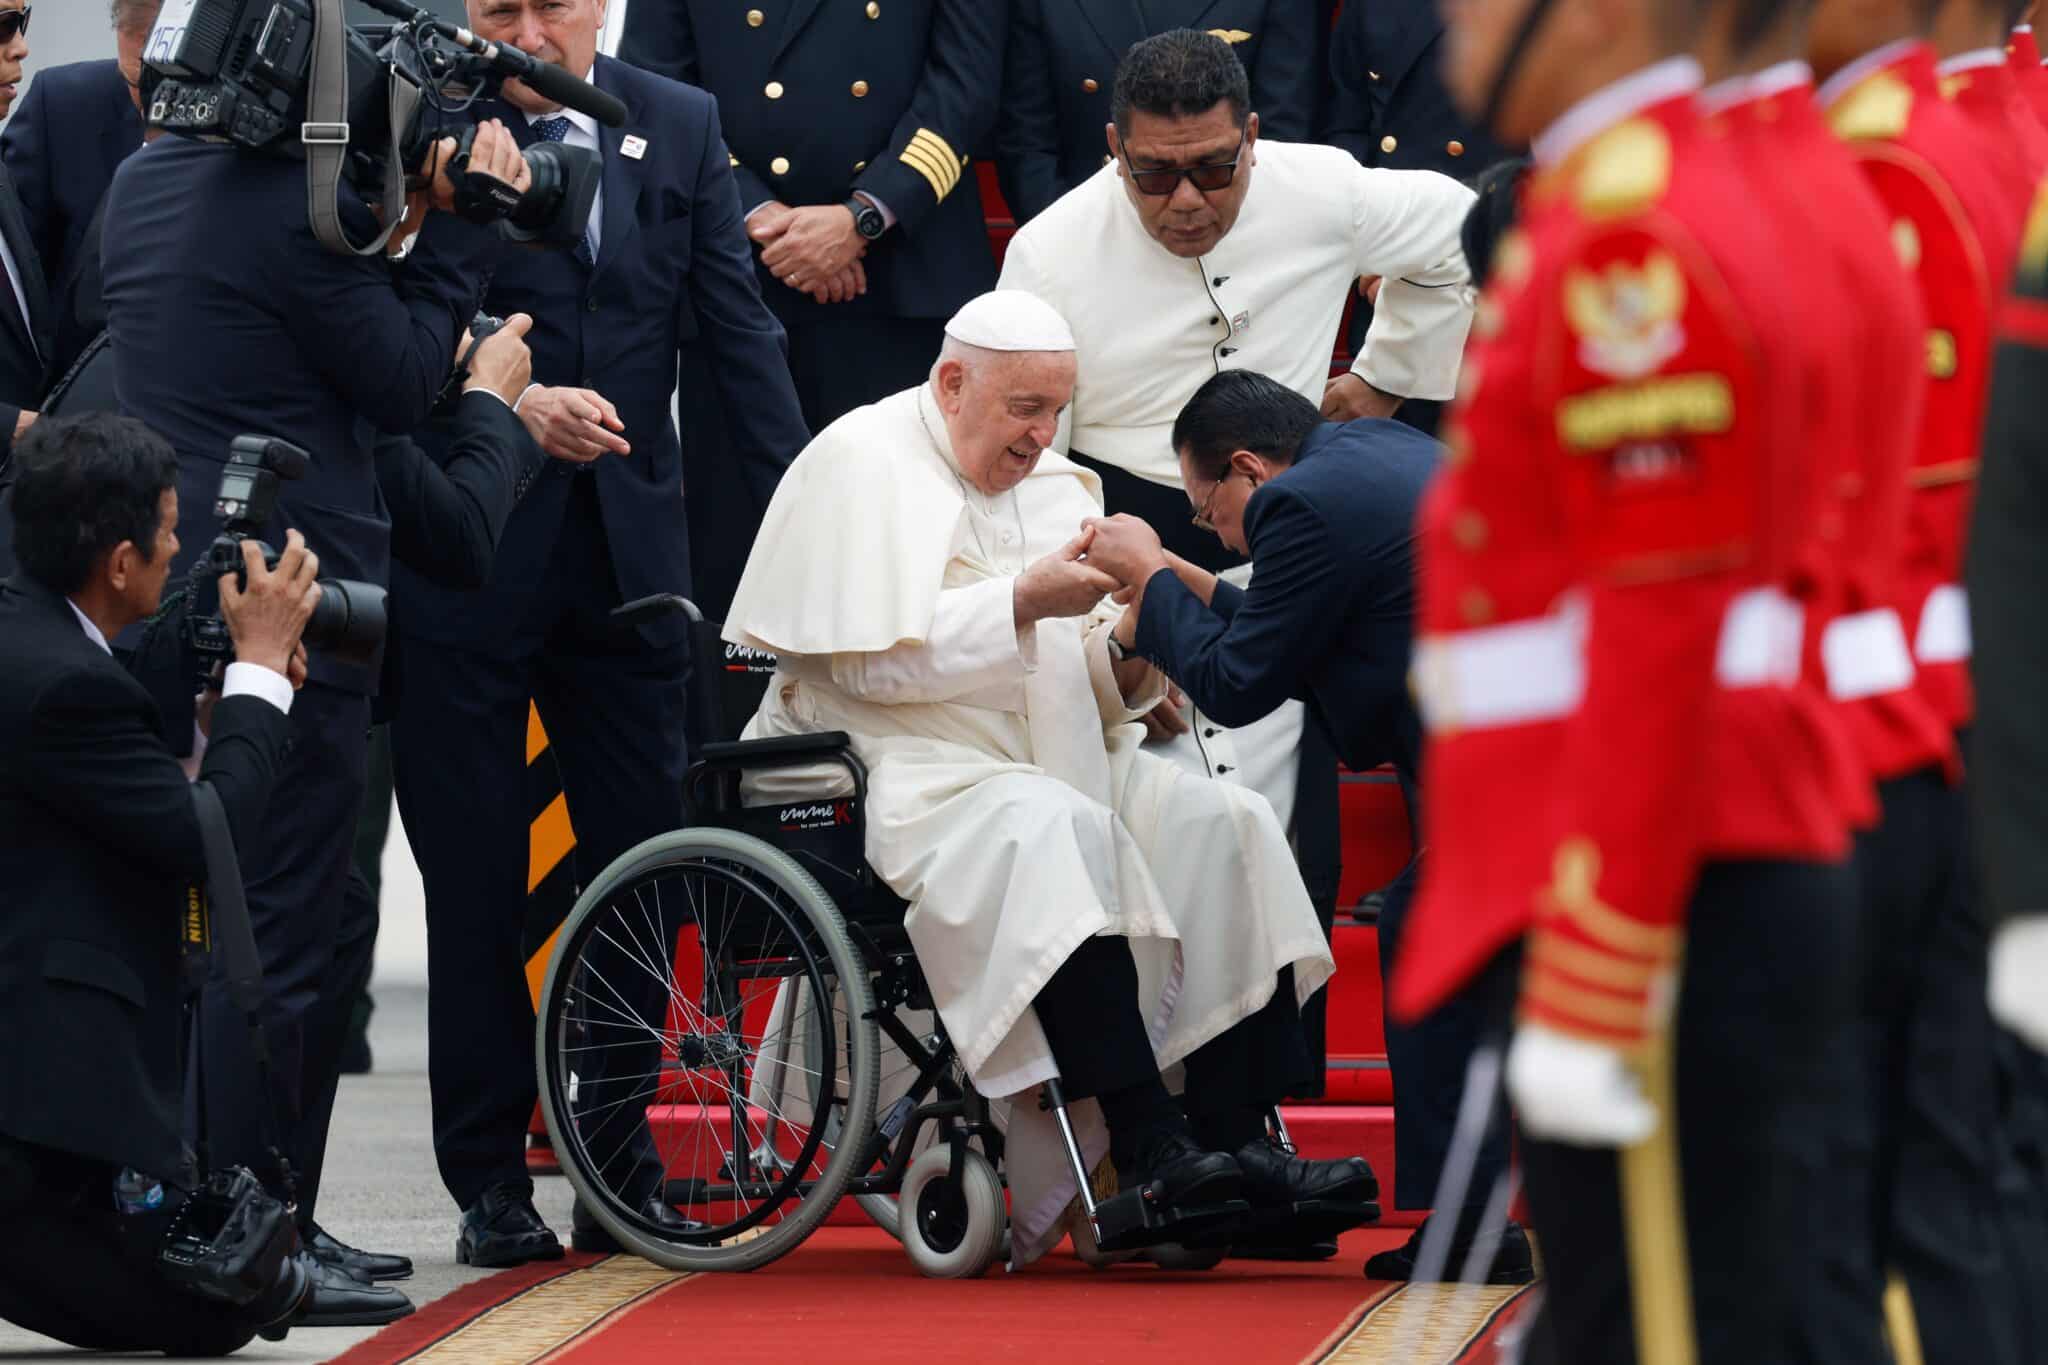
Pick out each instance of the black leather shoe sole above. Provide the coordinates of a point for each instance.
(1396, 1265)
(368, 1308)
(495, 1253)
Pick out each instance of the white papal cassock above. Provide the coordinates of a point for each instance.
(1007, 798)
(1150, 327)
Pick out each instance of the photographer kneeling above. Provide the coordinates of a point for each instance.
(103, 839)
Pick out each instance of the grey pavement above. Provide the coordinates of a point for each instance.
(380, 1190)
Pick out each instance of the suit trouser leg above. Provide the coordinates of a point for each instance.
(327, 1033)
(614, 707)
(294, 870)
(74, 1269)
(459, 749)
(1760, 987)
(1429, 1059)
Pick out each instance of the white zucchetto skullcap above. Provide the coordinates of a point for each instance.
(1010, 320)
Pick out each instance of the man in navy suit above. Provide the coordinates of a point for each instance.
(24, 303)
(1327, 514)
(666, 263)
(226, 316)
(76, 125)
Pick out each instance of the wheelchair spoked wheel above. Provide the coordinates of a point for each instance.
(705, 1030)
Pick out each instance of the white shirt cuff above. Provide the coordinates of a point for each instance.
(255, 680)
(486, 388)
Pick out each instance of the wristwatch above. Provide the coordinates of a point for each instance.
(1117, 652)
(867, 219)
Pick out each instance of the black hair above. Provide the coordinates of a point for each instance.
(1242, 410)
(1178, 74)
(84, 485)
(1491, 214)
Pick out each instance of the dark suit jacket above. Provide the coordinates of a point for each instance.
(893, 105)
(24, 341)
(1387, 104)
(1329, 616)
(227, 317)
(2008, 585)
(449, 507)
(672, 265)
(1060, 68)
(62, 144)
(102, 841)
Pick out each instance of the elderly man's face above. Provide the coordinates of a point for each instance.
(1187, 220)
(1002, 409)
(128, 44)
(560, 31)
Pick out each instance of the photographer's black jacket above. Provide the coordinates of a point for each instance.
(227, 317)
(101, 842)
(448, 511)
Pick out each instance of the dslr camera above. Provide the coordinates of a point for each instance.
(233, 1243)
(348, 623)
(240, 72)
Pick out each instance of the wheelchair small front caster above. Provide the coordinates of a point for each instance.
(951, 1235)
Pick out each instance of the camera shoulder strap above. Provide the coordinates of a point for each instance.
(325, 135)
(235, 944)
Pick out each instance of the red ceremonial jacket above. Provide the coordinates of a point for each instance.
(1609, 658)
(2023, 55)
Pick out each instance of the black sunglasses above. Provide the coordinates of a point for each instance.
(13, 23)
(1208, 177)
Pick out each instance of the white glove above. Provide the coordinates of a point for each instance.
(1566, 1089)
(2019, 977)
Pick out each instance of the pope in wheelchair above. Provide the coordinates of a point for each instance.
(1087, 926)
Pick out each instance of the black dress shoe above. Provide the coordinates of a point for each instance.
(340, 1300)
(1186, 1176)
(364, 1265)
(502, 1228)
(1273, 1176)
(1512, 1263)
(588, 1235)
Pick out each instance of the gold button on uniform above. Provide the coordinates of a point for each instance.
(874, 10)
(1476, 606)
(1374, 75)
(755, 18)
(1088, 84)
(860, 89)
(773, 90)
(780, 165)
(1389, 142)
(1469, 530)
(859, 166)
(1455, 147)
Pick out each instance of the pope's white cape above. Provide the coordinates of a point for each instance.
(1020, 819)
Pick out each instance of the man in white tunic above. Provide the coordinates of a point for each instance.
(1079, 909)
(1200, 247)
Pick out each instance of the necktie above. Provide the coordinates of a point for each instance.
(556, 129)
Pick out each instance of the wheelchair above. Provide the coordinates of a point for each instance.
(729, 1026)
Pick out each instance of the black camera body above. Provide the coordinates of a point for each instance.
(238, 71)
(349, 620)
(233, 1243)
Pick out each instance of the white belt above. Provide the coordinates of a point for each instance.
(1760, 640)
(1502, 675)
(1865, 655)
(1944, 635)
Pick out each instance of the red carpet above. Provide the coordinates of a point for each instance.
(850, 1295)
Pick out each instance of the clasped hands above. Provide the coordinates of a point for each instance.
(1111, 557)
(814, 249)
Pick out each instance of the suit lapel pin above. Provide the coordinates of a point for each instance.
(634, 146)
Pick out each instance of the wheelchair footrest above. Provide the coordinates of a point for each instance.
(1133, 1218)
(1299, 1224)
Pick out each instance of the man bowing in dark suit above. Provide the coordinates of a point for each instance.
(666, 260)
(1327, 512)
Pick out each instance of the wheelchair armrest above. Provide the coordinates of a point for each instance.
(646, 610)
(780, 752)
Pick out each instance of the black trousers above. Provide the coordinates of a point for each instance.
(614, 711)
(1429, 1060)
(1089, 1011)
(1912, 1174)
(1761, 991)
(314, 939)
(839, 362)
(74, 1269)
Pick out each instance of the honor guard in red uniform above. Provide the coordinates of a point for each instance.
(2023, 56)
(1607, 598)
(1976, 76)
(1912, 1139)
